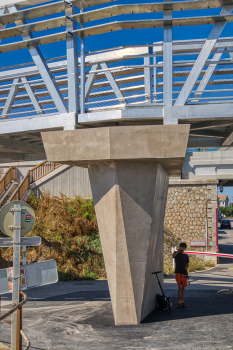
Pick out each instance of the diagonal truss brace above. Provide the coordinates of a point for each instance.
(202, 58)
(112, 82)
(13, 92)
(31, 95)
(10, 99)
(90, 80)
(229, 139)
(44, 70)
(207, 76)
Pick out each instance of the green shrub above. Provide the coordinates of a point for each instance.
(228, 211)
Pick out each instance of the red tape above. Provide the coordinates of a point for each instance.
(209, 253)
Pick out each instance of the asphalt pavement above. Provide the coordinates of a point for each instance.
(78, 316)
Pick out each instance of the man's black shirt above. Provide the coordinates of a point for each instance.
(181, 260)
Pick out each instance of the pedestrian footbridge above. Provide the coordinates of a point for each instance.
(126, 112)
(216, 165)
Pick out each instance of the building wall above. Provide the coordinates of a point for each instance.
(73, 181)
(189, 205)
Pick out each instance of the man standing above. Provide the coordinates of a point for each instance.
(182, 264)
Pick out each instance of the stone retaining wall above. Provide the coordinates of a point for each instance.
(189, 204)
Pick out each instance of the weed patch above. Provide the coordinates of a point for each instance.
(70, 236)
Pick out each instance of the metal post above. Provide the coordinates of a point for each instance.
(167, 60)
(24, 255)
(83, 78)
(155, 76)
(72, 60)
(148, 76)
(16, 273)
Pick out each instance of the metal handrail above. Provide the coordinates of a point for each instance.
(33, 175)
(6, 179)
(15, 307)
(11, 311)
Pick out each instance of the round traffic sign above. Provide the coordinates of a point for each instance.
(28, 218)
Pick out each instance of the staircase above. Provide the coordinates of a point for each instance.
(10, 190)
(7, 186)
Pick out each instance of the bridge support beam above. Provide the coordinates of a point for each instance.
(129, 170)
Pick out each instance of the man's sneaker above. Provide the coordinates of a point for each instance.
(183, 304)
(179, 305)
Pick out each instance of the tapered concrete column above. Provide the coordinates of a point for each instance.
(130, 200)
(129, 169)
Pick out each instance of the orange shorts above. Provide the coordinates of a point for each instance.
(181, 280)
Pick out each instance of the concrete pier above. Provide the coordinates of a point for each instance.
(129, 170)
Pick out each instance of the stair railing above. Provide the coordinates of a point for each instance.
(42, 169)
(6, 179)
(33, 175)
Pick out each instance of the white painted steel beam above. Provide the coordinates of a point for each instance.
(72, 62)
(37, 123)
(113, 83)
(82, 68)
(10, 99)
(124, 114)
(49, 9)
(43, 69)
(207, 76)
(202, 58)
(167, 65)
(229, 139)
(117, 10)
(47, 39)
(90, 80)
(80, 3)
(148, 61)
(32, 27)
(202, 112)
(31, 95)
(157, 23)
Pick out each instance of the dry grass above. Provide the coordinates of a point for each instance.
(69, 233)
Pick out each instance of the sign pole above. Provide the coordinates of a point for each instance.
(16, 272)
